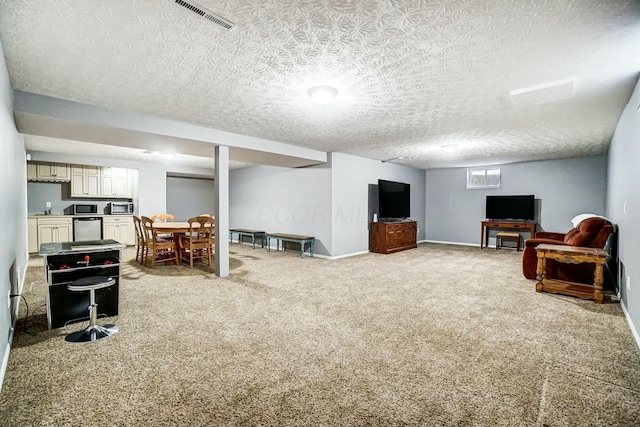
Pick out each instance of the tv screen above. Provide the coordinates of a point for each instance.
(394, 199)
(511, 207)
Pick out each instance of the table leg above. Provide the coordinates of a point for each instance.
(253, 241)
(301, 249)
(268, 244)
(597, 283)
(540, 270)
(311, 249)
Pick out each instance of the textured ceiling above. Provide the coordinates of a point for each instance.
(411, 76)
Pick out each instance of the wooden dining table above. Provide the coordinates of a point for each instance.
(172, 227)
(177, 227)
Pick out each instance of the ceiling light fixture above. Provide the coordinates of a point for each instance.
(394, 158)
(448, 148)
(322, 94)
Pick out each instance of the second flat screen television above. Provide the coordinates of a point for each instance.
(516, 208)
(394, 199)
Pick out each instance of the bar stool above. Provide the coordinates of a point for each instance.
(94, 331)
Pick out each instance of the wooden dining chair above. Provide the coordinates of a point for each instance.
(198, 243)
(163, 217)
(142, 248)
(160, 249)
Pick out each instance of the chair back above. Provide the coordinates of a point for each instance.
(163, 217)
(201, 229)
(592, 232)
(137, 223)
(147, 228)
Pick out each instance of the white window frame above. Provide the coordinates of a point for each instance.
(478, 178)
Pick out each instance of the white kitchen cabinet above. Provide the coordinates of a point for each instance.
(119, 228)
(85, 181)
(47, 171)
(33, 235)
(115, 182)
(54, 230)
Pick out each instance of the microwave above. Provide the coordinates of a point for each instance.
(121, 208)
(85, 209)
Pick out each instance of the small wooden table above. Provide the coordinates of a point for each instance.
(291, 238)
(250, 233)
(571, 255)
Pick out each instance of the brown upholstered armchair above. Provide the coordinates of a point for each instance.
(591, 232)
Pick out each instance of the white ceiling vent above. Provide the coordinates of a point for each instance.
(216, 19)
(558, 90)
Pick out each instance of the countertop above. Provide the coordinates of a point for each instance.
(58, 248)
(60, 215)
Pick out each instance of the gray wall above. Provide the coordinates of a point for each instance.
(623, 205)
(351, 177)
(13, 213)
(563, 189)
(189, 197)
(283, 200)
(329, 202)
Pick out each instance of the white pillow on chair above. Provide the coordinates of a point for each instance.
(579, 218)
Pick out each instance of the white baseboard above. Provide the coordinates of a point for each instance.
(631, 325)
(343, 256)
(451, 243)
(5, 362)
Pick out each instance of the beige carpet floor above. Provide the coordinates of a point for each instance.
(436, 336)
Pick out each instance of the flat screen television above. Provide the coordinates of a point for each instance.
(394, 200)
(517, 208)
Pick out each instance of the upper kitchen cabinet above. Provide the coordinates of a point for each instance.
(101, 182)
(85, 181)
(48, 172)
(116, 182)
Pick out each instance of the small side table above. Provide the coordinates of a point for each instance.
(571, 255)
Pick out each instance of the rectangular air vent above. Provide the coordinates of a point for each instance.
(216, 19)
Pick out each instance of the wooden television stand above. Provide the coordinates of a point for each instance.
(529, 226)
(390, 237)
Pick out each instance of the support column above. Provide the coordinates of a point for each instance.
(221, 188)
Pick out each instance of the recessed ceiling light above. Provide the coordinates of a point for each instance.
(322, 94)
(448, 148)
(486, 154)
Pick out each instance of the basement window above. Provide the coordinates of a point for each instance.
(483, 178)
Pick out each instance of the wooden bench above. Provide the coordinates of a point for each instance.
(249, 233)
(502, 235)
(291, 238)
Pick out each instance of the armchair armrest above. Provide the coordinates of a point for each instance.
(532, 243)
(550, 235)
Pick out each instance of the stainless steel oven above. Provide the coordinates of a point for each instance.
(121, 208)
